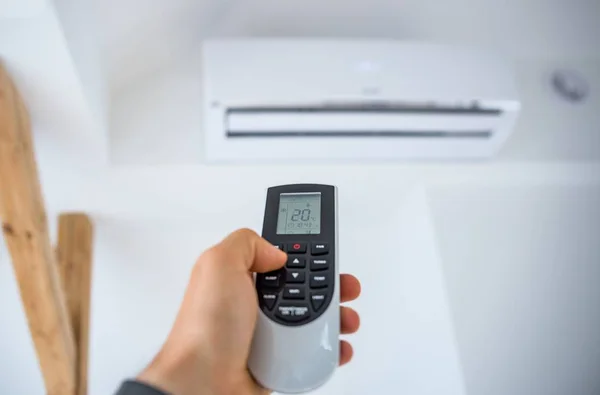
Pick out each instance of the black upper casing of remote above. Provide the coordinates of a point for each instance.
(316, 290)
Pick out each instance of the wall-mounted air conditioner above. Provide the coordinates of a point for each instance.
(303, 100)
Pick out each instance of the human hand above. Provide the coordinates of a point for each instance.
(208, 347)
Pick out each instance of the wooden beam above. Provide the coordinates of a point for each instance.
(74, 252)
(25, 230)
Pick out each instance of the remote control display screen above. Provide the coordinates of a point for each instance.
(299, 214)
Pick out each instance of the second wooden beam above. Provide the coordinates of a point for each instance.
(74, 256)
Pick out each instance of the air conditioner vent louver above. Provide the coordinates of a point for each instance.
(360, 122)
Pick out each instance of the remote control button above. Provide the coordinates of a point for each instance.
(317, 299)
(319, 248)
(292, 312)
(280, 246)
(319, 280)
(319, 264)
(295, 276)
(296, 248)
(293, 293)
(269, 299)
(270, 280)
(296, 262)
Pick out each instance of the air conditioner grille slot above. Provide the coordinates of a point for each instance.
(478, 134)
(377, 107)
(346, 123)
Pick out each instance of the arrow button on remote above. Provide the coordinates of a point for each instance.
(295, 276)
(296, 262)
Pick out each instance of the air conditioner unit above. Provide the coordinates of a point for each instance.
(309, 100)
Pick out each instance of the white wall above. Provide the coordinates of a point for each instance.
(522, 267)
(60, 103)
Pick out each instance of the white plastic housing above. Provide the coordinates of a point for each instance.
(353, 100)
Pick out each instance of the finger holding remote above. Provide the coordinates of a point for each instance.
(208, 347)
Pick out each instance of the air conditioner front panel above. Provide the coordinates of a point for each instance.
(291, 101)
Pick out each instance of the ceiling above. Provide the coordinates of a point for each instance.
(138, 37)
(20, 8)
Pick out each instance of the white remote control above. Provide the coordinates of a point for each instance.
(296, 343)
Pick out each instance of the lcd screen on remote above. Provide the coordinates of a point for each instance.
(299, 214)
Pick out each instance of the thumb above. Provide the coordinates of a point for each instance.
(256, 254)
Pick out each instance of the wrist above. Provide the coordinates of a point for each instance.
(177, 372)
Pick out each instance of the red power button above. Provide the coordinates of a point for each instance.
(296, 248)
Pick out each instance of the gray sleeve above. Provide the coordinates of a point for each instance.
(132, 387)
